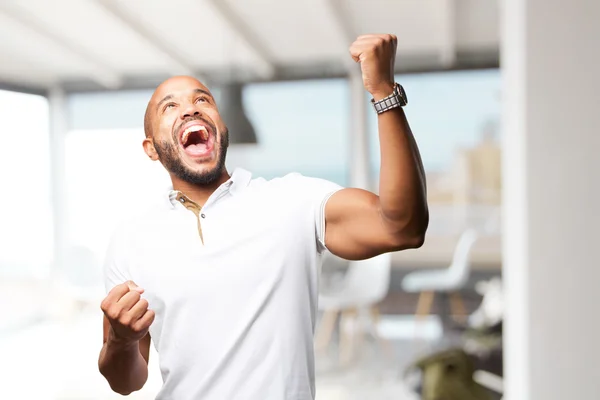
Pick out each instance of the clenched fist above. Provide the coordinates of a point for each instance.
(376, 55)
(127, 312)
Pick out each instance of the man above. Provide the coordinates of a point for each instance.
(223, 277)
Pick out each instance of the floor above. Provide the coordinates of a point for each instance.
(49, 350)
(376, 372)
(56, 360)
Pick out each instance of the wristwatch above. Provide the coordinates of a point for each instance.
(396, 99)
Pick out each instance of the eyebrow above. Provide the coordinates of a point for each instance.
(166, 98)
(170, 96)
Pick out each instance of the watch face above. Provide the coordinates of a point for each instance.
(400, 91)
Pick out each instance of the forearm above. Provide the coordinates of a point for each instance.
(123, 366)
(402, 187)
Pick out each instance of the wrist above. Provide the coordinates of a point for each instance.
(383, 91)
(119, 343)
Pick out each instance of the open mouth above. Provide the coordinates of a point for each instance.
(196, 140)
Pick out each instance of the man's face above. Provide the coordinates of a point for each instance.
(186, 131)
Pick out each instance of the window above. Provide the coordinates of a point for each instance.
(447, 112)
(25, 207)
(301, 127)
(454, 117)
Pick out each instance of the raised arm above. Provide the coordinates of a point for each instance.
(124, 356)
(360, 224)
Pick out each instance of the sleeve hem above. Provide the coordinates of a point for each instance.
(321, 226)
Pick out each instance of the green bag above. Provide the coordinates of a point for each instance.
(448, 375)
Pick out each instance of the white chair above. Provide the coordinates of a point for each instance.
(450, 280)
(356, 298)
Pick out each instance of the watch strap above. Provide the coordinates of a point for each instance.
(394, 100)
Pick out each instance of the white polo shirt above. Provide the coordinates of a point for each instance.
(235, 311)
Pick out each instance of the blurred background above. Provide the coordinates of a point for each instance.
(75, 78)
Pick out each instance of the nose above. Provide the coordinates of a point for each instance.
(189, 110)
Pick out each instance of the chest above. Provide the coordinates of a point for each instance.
(246, 249)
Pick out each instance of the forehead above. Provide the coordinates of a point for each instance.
(177, 87)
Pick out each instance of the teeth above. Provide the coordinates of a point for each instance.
(194, 128)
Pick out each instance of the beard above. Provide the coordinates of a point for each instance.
(171, 160)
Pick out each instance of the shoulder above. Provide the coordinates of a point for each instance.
(296, 193)
(293, 182)
(296, 184)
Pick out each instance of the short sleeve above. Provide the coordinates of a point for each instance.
(114, 269)
(316, 192)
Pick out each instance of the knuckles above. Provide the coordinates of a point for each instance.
(143, 303)
(371, 43)
(140, 326)
(135, 295)
(104, 306)
(117, 313)
(385, 37)
(125, 320)
(114, 311)
(137, 328)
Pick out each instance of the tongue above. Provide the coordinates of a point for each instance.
(197, 148)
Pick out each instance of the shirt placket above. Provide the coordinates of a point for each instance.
(198, 211)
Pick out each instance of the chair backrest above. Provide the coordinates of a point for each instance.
(461, 265)
(370, 278)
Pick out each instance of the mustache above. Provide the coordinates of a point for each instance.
(206, 122)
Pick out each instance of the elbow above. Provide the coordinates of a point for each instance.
(122, 390)
(407, 241)
(126, 392)
(410, 233)
(415, 241)
(117, 386)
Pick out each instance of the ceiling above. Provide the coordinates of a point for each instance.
(84, 45)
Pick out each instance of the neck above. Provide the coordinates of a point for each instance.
(199, 193)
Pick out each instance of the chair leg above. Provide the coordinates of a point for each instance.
(423, 307)
(424, 304)
(457, 307)
(384, 344)
(325, 330)
(360, 326)
(346, 338)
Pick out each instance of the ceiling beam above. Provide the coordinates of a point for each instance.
(17, 76)
(413, 64)
(20, 88)
(267, 68)
(448, 33)
(179, 65)
(98, 70)
(342, 28)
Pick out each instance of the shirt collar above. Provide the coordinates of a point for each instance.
(240, 179)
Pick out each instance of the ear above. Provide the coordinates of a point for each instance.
(149, 149)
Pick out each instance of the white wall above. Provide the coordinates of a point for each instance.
(551, 93)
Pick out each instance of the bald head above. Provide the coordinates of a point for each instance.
(176, 105)
(166, 91)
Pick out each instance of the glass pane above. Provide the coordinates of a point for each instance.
(301, 127)
(447, 112)
(25, 208)
(454, 117)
